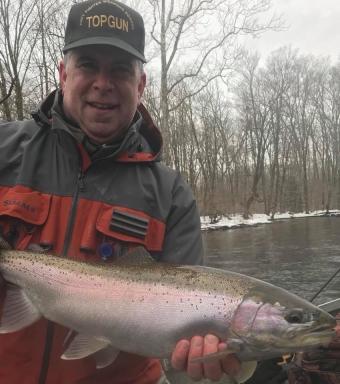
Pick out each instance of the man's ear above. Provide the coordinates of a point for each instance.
(141, 87)
(62, 74)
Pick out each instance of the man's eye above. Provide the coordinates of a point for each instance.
(122, 68)
(87, 65)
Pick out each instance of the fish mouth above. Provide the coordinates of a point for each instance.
(322, 327)
(322, 332)
(308, 334)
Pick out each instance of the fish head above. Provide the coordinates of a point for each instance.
(274, 321)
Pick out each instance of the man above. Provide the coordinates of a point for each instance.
(83, 180)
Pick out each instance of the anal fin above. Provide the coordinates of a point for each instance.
(79, 346)
(105, 357)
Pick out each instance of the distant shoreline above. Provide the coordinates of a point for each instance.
(237, 221)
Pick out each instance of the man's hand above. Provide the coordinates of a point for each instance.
(185, 351)
(337, 329)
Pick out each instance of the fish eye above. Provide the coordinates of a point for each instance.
(295, 316)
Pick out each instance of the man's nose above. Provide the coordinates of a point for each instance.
(103, 81)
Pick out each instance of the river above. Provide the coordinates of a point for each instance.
(299, 254)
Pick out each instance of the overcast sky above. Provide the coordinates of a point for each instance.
(313, 26)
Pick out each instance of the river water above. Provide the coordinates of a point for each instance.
(299, 254)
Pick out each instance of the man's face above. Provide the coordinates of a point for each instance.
(102, 87)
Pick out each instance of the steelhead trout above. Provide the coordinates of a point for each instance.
(144, 307)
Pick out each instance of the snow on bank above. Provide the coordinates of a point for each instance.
(236, 221)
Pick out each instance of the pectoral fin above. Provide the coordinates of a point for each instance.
(247, 370)
(17, 310)
(247, 367)
(179, 377)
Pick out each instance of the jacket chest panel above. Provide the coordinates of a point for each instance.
(99, 230)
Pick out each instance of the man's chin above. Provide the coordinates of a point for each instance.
(100, 135)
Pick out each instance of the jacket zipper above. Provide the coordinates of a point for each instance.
(69, 231)
(47, 352)
(72, 217)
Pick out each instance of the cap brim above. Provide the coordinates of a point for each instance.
(102, 40)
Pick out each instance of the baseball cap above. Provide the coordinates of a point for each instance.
(105, 22)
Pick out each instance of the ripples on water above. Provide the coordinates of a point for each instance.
(299, 255)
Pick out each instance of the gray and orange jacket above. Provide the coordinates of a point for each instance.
(53, 194)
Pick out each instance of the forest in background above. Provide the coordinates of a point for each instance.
(249, 136)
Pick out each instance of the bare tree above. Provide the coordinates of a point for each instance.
(5, 92)
(302, 116)
(326, 141)
(17, 42)
(51, 17)
(277, 80)
(197, 41)
(255, 110)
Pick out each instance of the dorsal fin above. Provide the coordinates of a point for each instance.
(4, 244)
(138, 255)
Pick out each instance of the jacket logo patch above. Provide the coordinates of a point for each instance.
(129, 224)
(20, 204)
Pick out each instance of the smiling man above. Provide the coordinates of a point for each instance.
(101, 90)
(87, 181)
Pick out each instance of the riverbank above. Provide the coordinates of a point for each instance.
(237, 221)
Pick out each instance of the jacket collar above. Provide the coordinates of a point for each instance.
(142, 142)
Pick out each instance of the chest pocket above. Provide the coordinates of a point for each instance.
(22, 213)
(117, 229)
(132, 226)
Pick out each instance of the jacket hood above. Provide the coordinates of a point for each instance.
(143, 141)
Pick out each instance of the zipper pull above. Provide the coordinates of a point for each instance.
(81, 181)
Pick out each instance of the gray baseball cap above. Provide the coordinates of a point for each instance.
(105, 22)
